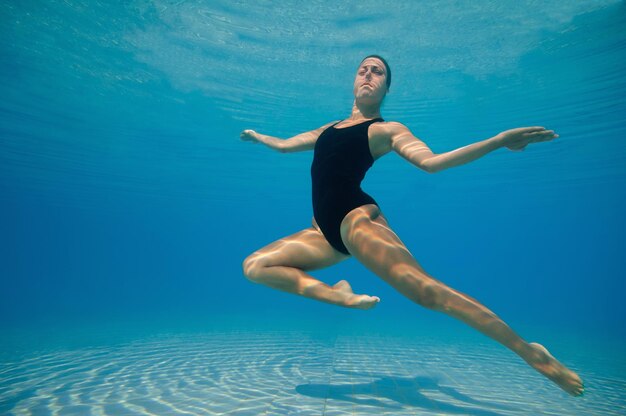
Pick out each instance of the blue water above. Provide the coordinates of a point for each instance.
(128, 204)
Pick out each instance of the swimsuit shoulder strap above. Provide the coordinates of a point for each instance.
(368, 121)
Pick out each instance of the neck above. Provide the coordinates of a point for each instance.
(363, 111)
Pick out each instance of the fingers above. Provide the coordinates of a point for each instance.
(533, 134)
(248, 136)
(528, 135)
(535, 130)
(542, 136)
(245, 134)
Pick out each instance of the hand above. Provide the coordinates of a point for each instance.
(249, 136)
(518, 139)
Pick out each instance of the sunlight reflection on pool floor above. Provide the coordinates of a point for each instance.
(299, 373)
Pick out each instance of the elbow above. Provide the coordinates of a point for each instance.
(429, 167)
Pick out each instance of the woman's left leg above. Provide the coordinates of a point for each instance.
(368, 237)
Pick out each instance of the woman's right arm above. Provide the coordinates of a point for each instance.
(299, 143)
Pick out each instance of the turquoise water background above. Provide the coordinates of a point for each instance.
(128, 202)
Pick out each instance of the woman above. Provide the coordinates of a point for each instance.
(349, 222)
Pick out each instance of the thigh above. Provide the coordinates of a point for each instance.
(305, 250)
(369, 238)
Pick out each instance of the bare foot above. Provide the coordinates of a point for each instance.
(355, 301)
(550, 367)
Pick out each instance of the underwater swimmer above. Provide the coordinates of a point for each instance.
(348, 222)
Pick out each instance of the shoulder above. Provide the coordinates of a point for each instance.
(318, 131)
(321, 129)
(388, 129)
(327, 125)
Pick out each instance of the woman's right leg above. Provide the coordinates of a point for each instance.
(282, 265)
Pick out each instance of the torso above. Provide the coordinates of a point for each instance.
(379, 138)
(343, 154)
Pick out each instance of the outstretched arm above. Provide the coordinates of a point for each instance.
(464, 154)
(416, 151)
(298, 143)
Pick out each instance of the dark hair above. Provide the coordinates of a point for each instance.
(386, 67)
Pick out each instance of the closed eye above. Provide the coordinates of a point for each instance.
(376, 70)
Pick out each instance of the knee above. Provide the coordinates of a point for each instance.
(432, 295)
(252, 268)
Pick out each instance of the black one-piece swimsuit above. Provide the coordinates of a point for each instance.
(341, 158)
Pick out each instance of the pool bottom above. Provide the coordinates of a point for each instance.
(287, 371)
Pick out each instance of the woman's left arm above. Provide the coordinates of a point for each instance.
(515, 139)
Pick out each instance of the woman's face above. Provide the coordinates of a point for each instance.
(370, 84)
